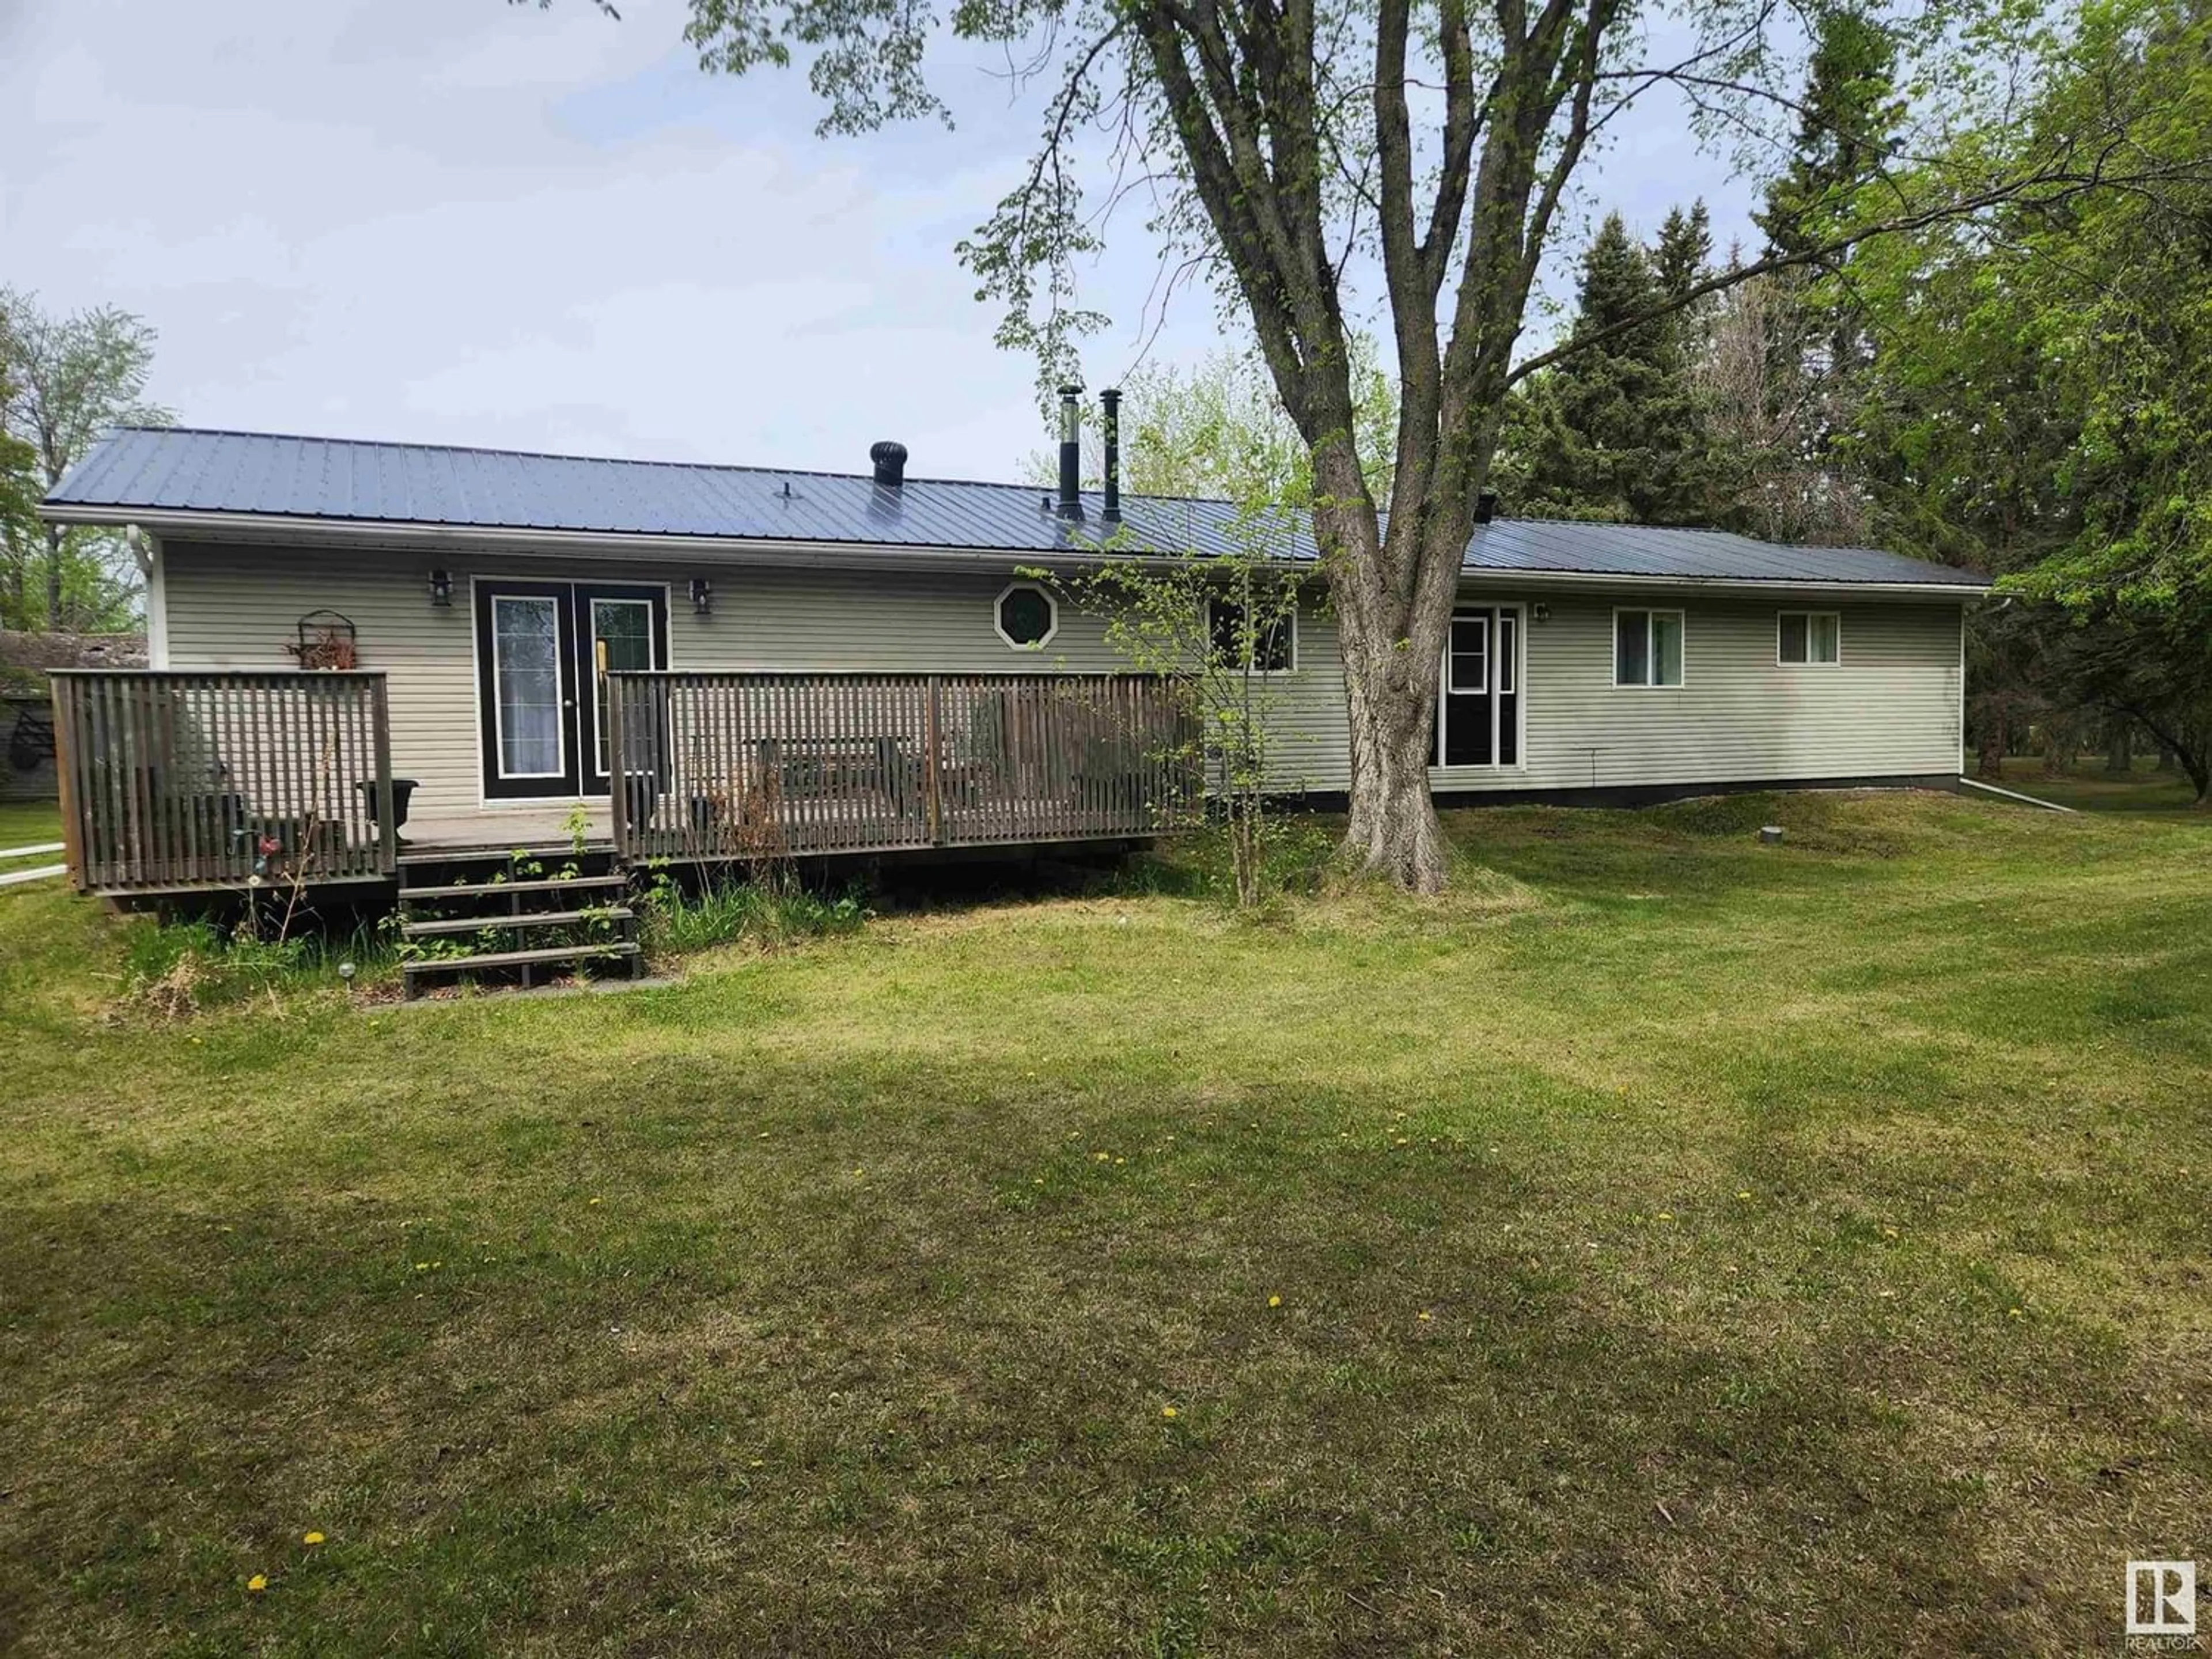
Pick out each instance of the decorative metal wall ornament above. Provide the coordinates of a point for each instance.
(326, 641)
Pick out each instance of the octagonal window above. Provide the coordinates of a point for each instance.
(1026, 616)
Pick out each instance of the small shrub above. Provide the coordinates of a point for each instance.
(1294, 855)
(771, 910)
(151, 951)
(173, 968)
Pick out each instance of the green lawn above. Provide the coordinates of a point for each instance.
(29, 823)
(23, 822)
(1682, 1246)
(2090, 789)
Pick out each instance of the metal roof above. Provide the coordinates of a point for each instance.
(145, 470)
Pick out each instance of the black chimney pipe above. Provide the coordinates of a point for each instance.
(1071, 455)
(1486, 507)
(1109, 402)
(889, 457)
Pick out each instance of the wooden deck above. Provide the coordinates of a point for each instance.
(174, 782)
(761, 766)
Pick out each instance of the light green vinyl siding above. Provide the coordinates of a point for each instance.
(1891, 707)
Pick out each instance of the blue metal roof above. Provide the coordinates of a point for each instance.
(141, 471)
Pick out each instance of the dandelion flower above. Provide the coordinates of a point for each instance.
(312, 1539)
(1424, 1315)
(1275, 1302)
(1664, 1215)
(1743, 1194)
(1168, 1412)
(2015, 1313)
(257, 1583)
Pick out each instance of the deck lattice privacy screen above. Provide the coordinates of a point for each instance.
(182, 779)
(712, 766)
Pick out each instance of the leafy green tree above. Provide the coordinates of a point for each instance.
(1276, 141)
(1218, 430)
(2041, 402)
(1217, 628)
(19, 518)
(63, 381)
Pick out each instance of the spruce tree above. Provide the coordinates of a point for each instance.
(1682, 257)
(1613, 432)
(1849, 124)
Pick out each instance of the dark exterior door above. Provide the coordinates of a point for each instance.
(540, 700)
(1478, 703)
(526, 689)
(616, 628)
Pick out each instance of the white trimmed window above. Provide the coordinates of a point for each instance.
(1274, 649)
(1809, 639)
(1466, 666)
(1025, 617)
(1647, 648)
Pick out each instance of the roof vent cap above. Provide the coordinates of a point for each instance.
(889, 457)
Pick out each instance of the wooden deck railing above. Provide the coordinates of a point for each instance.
(177, 781)
(762, 765)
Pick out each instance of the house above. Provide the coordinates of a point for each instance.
(852, 662)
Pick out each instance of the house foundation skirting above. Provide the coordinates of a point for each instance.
(1642, 794)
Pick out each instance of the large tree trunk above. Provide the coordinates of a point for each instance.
(1393, 831)
(1393, 597)
(2062, 740)
(2194, 755)
(1992, 735)
(2119, 748)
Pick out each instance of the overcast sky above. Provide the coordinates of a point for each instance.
(458, 222)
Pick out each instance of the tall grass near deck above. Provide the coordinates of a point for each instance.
(1662, 1244)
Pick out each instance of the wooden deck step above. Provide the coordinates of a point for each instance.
(520, 958)
(478, 889)
(420, 853)
(527, 919)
